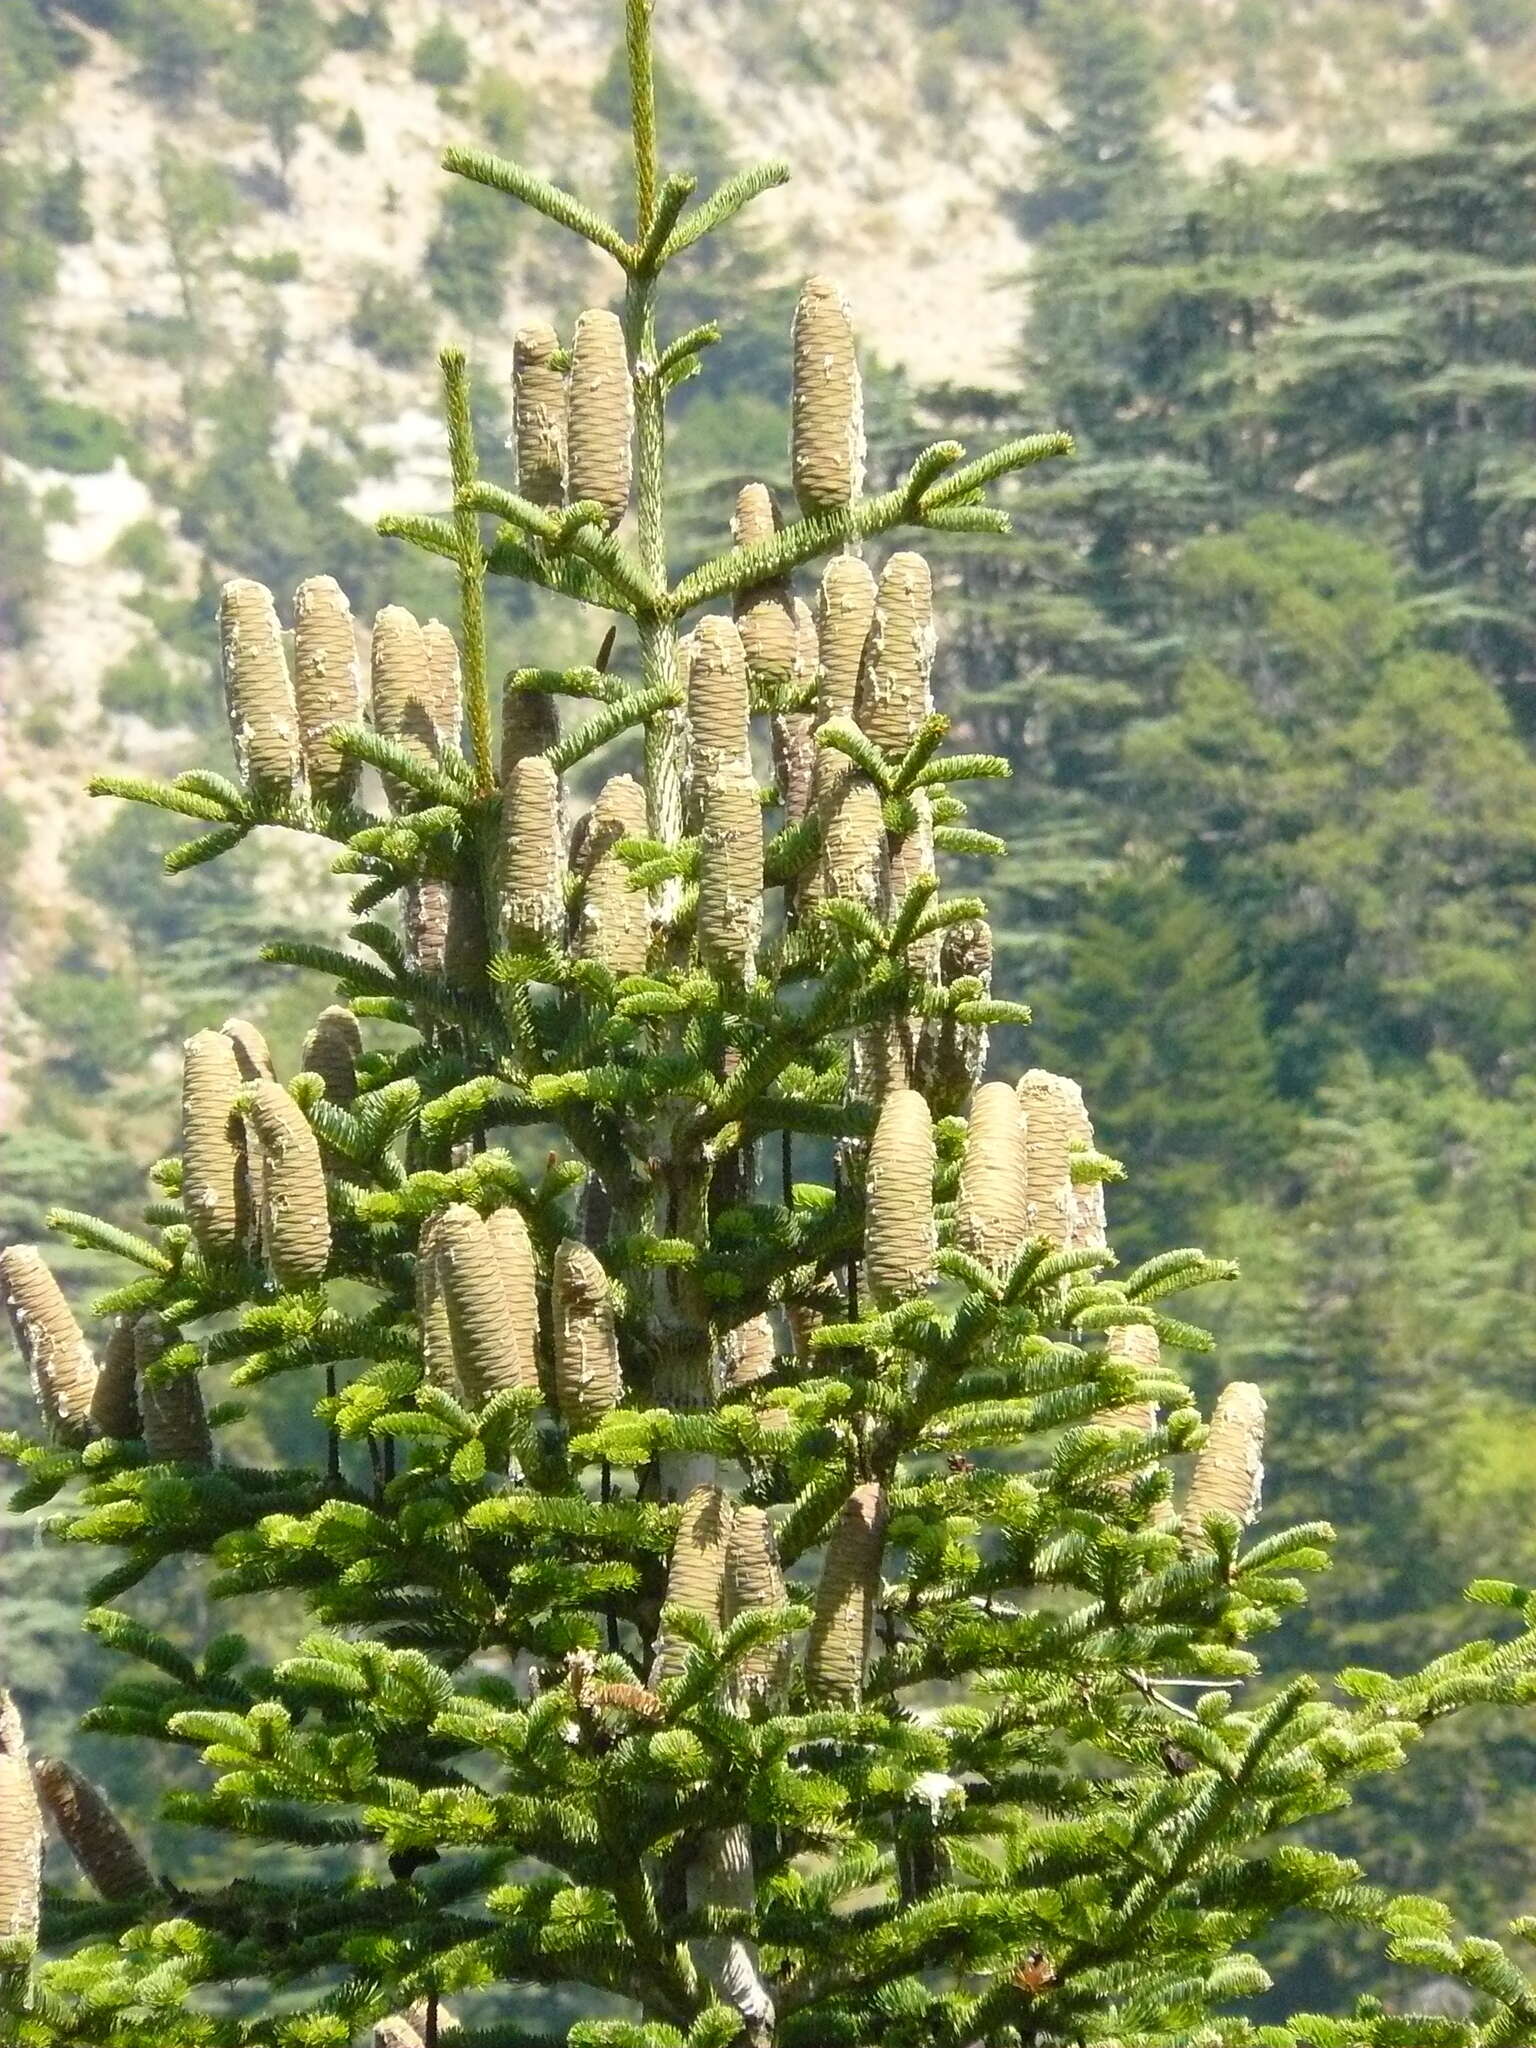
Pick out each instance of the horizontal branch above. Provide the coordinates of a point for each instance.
(564, 208)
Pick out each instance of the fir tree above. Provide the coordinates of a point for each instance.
(755, 1599)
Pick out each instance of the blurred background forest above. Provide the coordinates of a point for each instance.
(1263, 657)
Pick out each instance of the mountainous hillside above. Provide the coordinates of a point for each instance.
(232, 256)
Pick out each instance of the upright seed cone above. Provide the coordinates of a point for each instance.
(954, 1055)
(994, 1191)
(252, 1054)
(432, 1310)
(853, 853)
(538, 414)
(793, 732)
(614, 924)
(469, 1273)
(445, 679)
(1053, 1112)
(826, 444)
(601, 415)
(21, 1831)
(912, 861)
(530, 724)
(1229, 1472)
(747, 1353)
(899, 1237)
(263, 717)
(428, 910)
(1087, 1213)
(696, 1575)
(831, 773)
(215, 1187)
(404, 689)
(765, 615)
(531, 896)
(754, 1580)
(846, 1593)
(520, 1284)
(895, 691)
(845, 613)
(396, 2032)
(332, 1050)
(96, 1838)
(176, 1428)
(586, 1344)
(115, 1402)
(58, 1359)
(297, 1224)
(717, 703)
(328, 683)
(731, 877)
(1135, 1344)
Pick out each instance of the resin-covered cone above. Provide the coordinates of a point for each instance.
(755, 1580)
(328, 683)
(530, 866)
(253, 1055)
(747, 1353)
(21, 1831)
(538, 414)
(1053, 1117)
(601, 416)
(215, 1189)
(520, 1284)
(1133, 1344)
(96, 1838)
(765, 614)
(115, 1401)
(404, 690)
(854, 866)
(176, 1428)
(613, 925)
(296, 1224)
(845, 611)
(530, 724)
(954, 1054)
(731, 876)
(1229, 1472)
(586, 1344)
(469, 1273)
(717, 703)
(59, 1362)
(899, 1236)
(826, 444)
(846, 1593)
(895, 690)
(332, 1050)
(993, 1208)
(432, 1310)
(258, 692)
(445, 684)
(696, 1574)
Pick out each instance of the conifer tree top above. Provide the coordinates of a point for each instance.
(752, 1587)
